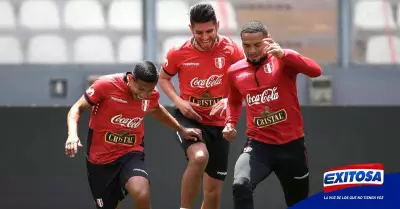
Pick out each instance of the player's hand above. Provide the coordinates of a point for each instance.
(191, 134)
(71, 145)
(272, 48)
(229, 132)
(219, 106)
(186, 109)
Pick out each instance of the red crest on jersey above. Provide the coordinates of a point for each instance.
(268, 68)
(100, 202)
(145, 105)
(219, 62)
(90, 91)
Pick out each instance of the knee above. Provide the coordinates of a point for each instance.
(139, 189)
(242, 188)
(199, 157)
(141, 195)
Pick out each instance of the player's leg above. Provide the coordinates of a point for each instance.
(134, 178)
(191, 181)
(138, 188)
(212, 189)
(104, 185)
(197, 155)
(216, 170)
(252, 167)
(292, 171)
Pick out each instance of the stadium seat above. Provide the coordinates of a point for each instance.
(130, 49)
(398, 15)
(11, 52)
(7, 15)
(379, 50)
(237, 40)
(106, 3)
(373, 15)
(39, 14)
(83, 14)
(93, 49)
(47, 49)
(169, 43)
(125, 15)
(172, 15)
(225, 14)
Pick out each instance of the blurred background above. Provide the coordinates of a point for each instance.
(50, 50)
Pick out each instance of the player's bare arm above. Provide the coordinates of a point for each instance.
(168, 87)
(74, 114)
(184, 106)
(162, 115)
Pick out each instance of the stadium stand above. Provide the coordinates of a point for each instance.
(7, 16)
(226, 12)
(130, 49)
(44, 49)
(41, 14)
(374, 24)
(383, 49)
(11, 51)
(96, 49)
(170, 42)
(62, 32)
(84, 15)
(125, 15)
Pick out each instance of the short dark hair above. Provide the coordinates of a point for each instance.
(145, 71)
(202, 13)
(254, 26)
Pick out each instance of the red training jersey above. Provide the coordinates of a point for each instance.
(116, 122)
(202, 74)
(270, 94)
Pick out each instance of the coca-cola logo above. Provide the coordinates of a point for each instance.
(213, 80)
(266, 96)
(126, 122)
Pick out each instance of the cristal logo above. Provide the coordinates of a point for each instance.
(213, 80)
(267, 96)
(126, 122)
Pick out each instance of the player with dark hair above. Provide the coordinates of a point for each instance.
(115, 158)
(266, 80)
(202, 63)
